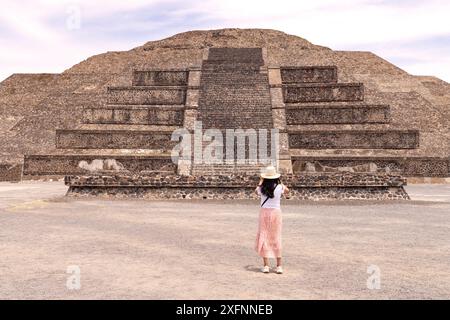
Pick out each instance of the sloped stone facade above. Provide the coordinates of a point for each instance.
(333, 108)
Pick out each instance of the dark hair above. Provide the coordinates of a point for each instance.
(268, 186)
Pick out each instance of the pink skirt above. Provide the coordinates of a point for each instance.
(268, 239)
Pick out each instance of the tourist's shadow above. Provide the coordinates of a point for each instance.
(252, 268)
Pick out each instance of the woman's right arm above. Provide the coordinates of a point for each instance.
(257, 190)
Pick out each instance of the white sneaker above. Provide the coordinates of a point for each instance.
(266, 269)
(279, 270)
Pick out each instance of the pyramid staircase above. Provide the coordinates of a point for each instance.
(234, 94)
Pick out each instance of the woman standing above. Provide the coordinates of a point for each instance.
(268, 239)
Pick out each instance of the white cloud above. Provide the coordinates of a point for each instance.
(34, 42)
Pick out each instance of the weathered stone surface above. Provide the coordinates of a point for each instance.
(113, 139)
(10, 172)
(344, 186)
(147, 95)
(238, 96)
(32, 105)
(236, 67)
(347, 139)
(320, 180)
(158, 115)
(323, 92)
(428, 167)
(311, 74)
(160, 78)
(336, 114)
(310, 194)
(42, 165)
(236, 55)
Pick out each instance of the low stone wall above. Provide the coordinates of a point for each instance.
(113, 139)
(310, 194)
(314, 74)
(146, 95)
(239, 180)
(303, 187)
(338, 92)
(409, 167)
(337, 114)
(11, 172)
(42, 165)
(160, 78)
(427, 167)
(169, 116)
(350, 139)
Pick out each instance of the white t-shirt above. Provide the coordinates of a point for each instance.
(274, 202)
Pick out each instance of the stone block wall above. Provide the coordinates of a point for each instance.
(113, 139)
(347, 114)
(311, 74)
(10, 172)
(322, 92)
(42, 165)
(135, 119)
(409, 167)
(148, 115)
(348, 139)
(333, 119)
(146, 95)
(160, 78)
(304, 187)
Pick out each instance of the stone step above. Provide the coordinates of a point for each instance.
(309, 74)
(147, 95)
(405, 166)
(134, 115)
(112, 152)
(223, 79)
(127, 127)
(323, 92)
(354, 139)
(54, 164)
(348, 114)
(227, 168)
(113, 139)
(160, 78)
(238, 67)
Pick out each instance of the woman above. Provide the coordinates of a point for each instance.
(268, 239)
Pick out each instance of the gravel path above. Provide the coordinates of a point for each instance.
(204, 249)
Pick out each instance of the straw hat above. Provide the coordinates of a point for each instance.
(270, 173)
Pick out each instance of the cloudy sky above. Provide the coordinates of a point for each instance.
(52, 35)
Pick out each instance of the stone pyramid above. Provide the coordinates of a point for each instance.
(338, 113)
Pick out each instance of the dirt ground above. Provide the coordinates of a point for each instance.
(204, 249)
